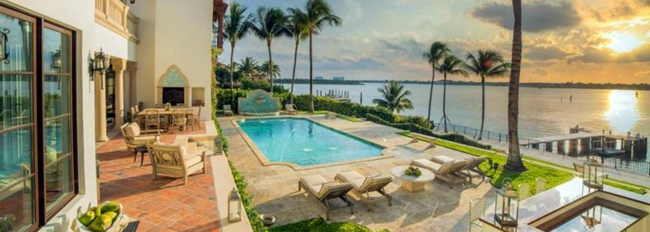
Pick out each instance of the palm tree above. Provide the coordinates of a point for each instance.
(437, 52)
(270, 70)
(514, 162)
(268, 24)
(236, 27)
(248, 67)
(454, 66)
(317, 14)
(297, 28)
(488, 64)
(394, 97)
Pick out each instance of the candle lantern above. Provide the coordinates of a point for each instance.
(234, 206)
(506, 208)
(593, 173)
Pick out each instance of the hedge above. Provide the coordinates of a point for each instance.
(320, 225)
(357, 110)
(240, 182)
(411, 127)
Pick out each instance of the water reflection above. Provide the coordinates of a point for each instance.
(622, 113)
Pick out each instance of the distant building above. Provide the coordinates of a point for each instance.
(338, 78)
(318, 78)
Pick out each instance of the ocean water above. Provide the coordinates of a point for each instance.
(542, 111)
(304, 142)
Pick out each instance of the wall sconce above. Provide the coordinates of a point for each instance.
(100, 64)
(4, 46)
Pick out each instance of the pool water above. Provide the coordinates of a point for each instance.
(304, 142)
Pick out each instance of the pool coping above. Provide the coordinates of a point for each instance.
(296, 167)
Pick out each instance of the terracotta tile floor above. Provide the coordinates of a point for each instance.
(161, 205)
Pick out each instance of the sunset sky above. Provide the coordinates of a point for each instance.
(578, 40)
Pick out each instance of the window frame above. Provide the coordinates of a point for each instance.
(39, 209)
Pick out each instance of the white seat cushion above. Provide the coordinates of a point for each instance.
(135, 128)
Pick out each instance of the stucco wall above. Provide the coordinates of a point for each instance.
(146, 53)
(78, 15)
(183, 38)
(112, 44)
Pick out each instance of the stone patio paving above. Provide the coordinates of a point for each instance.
(161, 205)
(438, 208)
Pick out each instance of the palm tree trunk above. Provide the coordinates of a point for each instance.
(268, 44)
(514, 162)
(311, 78)
(444, 101)
(480, 134)
(293, 75)
(232, 73)
(433, 78)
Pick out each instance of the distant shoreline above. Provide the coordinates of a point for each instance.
(541, 85)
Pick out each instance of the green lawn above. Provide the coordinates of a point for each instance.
(554, 175)
(320, 225)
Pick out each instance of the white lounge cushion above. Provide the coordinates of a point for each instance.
(314, 183)
(442, 159)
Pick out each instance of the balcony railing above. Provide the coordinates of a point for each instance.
(115, 15)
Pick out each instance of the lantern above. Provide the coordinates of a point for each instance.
(56, 61)
(592, 174)
(4, 46)
(506, 208)
(100, 64)
(234, 206)
(592, 217)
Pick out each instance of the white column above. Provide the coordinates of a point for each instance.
(100, 108)
(119, 65)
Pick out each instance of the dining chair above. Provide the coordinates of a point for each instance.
(179, 119)
(194, 118)
(153, 121)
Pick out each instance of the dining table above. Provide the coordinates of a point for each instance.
(167, 114)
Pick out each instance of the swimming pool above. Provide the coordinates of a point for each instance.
(304, 142)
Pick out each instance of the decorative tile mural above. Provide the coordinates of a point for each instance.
(258, 102)
(173, 79)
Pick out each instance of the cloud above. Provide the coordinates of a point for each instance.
(642, 74)
(540, 72)
(537, 16)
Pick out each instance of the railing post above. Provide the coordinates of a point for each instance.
(499, 137)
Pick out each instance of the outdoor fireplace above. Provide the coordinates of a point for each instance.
(173, 95)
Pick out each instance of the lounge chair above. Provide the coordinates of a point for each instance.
(135, 140)
(330, 115)
(362, 186)
(447, 172)
(227, 110)
(470, 171)
(176, 160)
(323, 190)
(133, 135)
(290, 110)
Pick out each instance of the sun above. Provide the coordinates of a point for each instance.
(622, 41)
